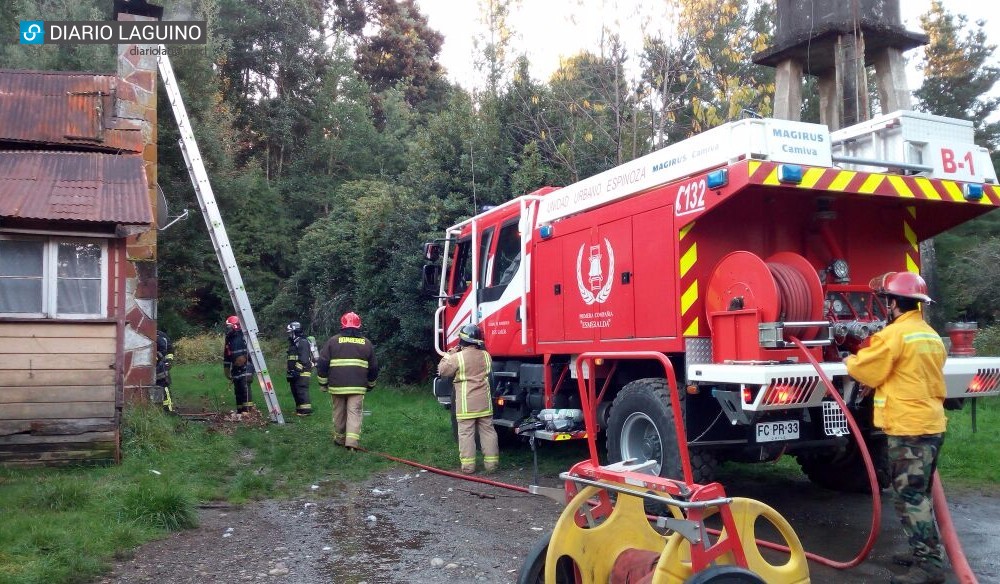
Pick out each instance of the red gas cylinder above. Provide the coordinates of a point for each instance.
(962, 334)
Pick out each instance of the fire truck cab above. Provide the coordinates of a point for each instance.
(717, 252)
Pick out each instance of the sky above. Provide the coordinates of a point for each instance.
(550, 29)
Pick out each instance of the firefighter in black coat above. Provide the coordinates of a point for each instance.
(299, 368)
(236, 364)
(347, 369)
(164, 358)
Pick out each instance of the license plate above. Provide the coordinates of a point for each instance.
(776, 431)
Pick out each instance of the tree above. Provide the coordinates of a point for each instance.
(364, 256)
(495, 45)
(666, 86)
(970, 282)
(958, 77)
(395, 46)
(258, 221)
(272, 73)
(61, 57)
(958, 73)
(585, 122)
(726, 83)
(526, 102)
(341, 144)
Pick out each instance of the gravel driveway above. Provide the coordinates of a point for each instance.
(409, 525)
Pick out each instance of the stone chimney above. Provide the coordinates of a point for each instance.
(136, 101)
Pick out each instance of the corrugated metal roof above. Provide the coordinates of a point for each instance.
(65, 108)
(79, 186)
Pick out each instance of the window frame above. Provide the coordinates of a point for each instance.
(50, 277)
(505, 228)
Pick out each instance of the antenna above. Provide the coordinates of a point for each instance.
(472, 157)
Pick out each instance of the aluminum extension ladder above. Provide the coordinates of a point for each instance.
(217, 231)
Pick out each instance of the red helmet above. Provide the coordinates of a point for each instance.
(233, 322)
(902, 284)
(350, 320)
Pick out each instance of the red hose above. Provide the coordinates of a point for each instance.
(448, 473)
(946, 527)
(869, 466)
(949, 537)
(793, 292)
(959, 563)
(872, 481)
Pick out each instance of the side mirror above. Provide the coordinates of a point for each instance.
(430, 279)
(432, 251)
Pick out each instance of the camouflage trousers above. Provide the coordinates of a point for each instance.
(912, 461)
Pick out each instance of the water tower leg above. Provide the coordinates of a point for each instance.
(788, 91)
(830, 99)
(890, 78)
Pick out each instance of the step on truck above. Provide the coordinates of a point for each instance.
(716, 252)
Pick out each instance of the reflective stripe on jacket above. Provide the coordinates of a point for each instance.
(347, 363)
(300, 362)
(904, 363)
(469, 369)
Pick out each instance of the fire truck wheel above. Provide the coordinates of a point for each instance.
(641, 426)
(844, 469)
(533, 567)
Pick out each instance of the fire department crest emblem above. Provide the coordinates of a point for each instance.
(595, 286)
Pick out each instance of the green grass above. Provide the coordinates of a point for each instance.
(68, 525)
(968, 458)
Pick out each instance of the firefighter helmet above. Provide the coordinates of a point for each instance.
(233, 322)
(350, 320)
(470, 334)
(901, 284)
(294, 329)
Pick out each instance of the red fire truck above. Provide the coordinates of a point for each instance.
(716, 252)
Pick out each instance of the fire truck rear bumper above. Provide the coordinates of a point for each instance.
(783, 386)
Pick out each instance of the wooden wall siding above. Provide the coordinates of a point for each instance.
(58, 393)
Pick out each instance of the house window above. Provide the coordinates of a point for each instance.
(50, 277)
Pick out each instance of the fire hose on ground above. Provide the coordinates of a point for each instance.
(946, 527)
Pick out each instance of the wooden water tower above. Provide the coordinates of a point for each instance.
(834, 40)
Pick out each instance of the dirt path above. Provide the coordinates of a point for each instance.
(413, 526)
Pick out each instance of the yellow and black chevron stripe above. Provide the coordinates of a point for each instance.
(865, 183)
(690, 314)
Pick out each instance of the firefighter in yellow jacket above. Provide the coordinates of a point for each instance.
(469, 366)
(347, 370)
(905, 364)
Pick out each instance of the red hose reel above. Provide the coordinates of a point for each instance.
(783, 288)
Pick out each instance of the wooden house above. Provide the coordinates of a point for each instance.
(77, 258)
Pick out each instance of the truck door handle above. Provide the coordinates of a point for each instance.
(626, 277)
(557, 289)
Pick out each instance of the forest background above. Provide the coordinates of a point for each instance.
(336, 144)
